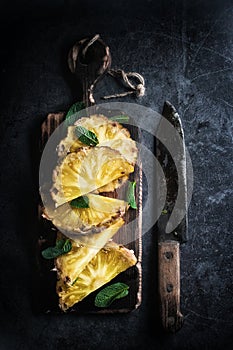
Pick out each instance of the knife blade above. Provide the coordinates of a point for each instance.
(172, 223)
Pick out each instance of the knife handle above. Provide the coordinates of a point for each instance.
(169, 285)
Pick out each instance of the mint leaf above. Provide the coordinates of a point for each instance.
(120, 118)
(75, 108)
(70, 117)
(80, 202)
(123, 294)
(107, 295)
(86, 136)
(60, 243)
(131, 195)
(67, 246)
(51, 253)
(62, 246)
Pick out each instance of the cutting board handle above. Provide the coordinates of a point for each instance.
(169, 285)
(89, 59)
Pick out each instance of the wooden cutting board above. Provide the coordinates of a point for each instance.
(47, 299)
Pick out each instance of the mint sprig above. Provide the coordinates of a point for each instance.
(71, 116)
(131, 195)
(62, 246)
(75, 108)
(107, 295)
(86, 136)
(122, 118)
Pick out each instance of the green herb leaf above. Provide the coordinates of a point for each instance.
(51, 253)
(107, 295)
(60, 243)
(86, 136)
(164, 211)
(131, 195)
(123, 294)
(75, 108)
(80, 202)
(71, 117)
(62, 246)
(67, 246)
(120, 118)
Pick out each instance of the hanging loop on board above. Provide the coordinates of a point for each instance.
(138, 89)
(89, 59)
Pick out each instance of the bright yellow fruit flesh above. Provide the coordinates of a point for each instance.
(112, 185)
(107, 264)
(100, 214)
(85, 171)
(84, 248)
(108, 132)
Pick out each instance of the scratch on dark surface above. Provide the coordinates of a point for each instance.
(186, 109)
(210, 73)
(194, 321)
(202, 44)
(207, 35)
(227, 58)
(184, 36)
(179, 38)
(203, 323)
(227, 103)
(208, 317)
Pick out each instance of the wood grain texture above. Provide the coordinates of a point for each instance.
(47, 234)
(169, 285)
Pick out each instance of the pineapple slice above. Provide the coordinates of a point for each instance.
(110, 187)
(126, 147)
(100, 214)
(107, 264)
(108, 132)
(84, 248)
(85, 171)
(105, 127)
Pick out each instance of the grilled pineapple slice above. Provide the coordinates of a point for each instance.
(84, 248)
(108, 132)
(87, 170)
(107, 264)
(100, 214)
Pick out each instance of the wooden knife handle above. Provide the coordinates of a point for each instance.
(169, 285)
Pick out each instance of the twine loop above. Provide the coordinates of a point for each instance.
(134, 88)
(138, 89)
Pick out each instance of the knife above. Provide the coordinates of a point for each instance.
(172, 223)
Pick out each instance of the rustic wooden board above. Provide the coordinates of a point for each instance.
(48, 299)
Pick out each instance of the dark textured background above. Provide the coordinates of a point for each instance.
(184, 50)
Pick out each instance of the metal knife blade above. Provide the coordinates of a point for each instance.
(172, 223)
(170, 151)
